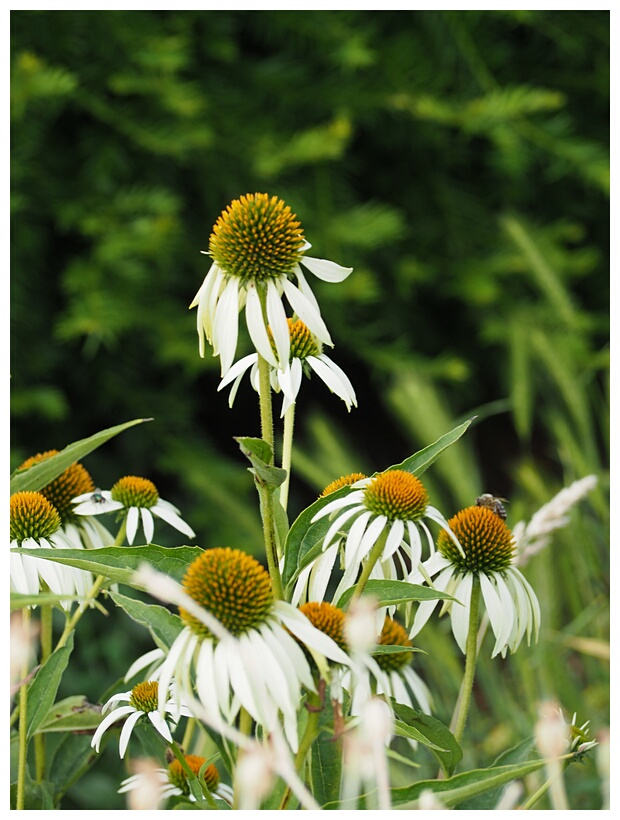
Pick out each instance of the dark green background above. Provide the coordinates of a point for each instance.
(458, 161)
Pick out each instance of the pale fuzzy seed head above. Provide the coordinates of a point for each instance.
(254, 777)
(22, 646)
(429, 800)
(552, 732)
(376, 724)
(511, 796)
(360, 625)
(146, 795)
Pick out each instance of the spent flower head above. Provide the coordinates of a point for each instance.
(257, 246)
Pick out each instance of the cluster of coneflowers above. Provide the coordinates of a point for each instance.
(250, 656)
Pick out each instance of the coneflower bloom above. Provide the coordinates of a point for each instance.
(36, 523)
(140, 501)
(173, 781)
(488, 552)
(306, 356)
(257, 246)
(388, 508)
(142, 701)
(255, 661)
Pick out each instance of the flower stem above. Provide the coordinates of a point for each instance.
(470, 660)
(46, 651)
(23, 724)
(266, 410)
(287, 452)
(374, 556)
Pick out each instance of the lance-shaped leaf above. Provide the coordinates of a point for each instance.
(420, 461)
(388, 593)
(260, 455)
(42, 690)
(39, 475)
(163, 625)
(431, 732)
(73, 714)
(19, 601)
(119, 563)
(488, 800)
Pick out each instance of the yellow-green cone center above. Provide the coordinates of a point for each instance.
(328, 619)
(257, 237)
(178, 778)
(32, 516)
(398, 495)
(487, 542)
(74, 481)
(393, 634)
(343, 481)
(303, 343)
(144, 696)
(133, 491)
(232, 586)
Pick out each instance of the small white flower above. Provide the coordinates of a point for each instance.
(141, 501)
(142, 700)
(489, 555)
(306, 356)
(257, 247)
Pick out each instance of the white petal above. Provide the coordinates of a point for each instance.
(108, 721)
(147, 524)
(145, 660)
(500, 617)
(160, 724)
(321, 573)
(370, 537)
(338, 523)
(416, 544)
(301, 627)
(174, 520)
(426, 608)
(435, 515)
(237, 370)
(133, 516)
(305, 288)
(276, 317)
(226, 324)
(354, 497)
(334, 377)
(354, 538)
(256, 326)
(306, 312)
(126, 732)
(459, 615)
(325, 270)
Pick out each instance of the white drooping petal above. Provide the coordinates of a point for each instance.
(108, 721)
(426, 608)
(459, 615)
(334, 377)
(276, 316)
(226, 325)
(126, 732)
(133, 517)
(148, 525)
(307, 312)
(350, 498)
(354, 537)
(256, 326)
(500, 612)
(170, 517)
(326, 270)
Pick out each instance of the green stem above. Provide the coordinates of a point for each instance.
(540, 792)
(375, 555)
(266, 410)
(46, 651)
(23, 724)
(309, 736)
(287, 453)
(470, 660)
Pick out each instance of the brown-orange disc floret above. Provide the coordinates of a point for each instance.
(328, 619)
(232, 586)
(32, 516)
(133, 491)
(393, 634)
(398, 495)
(343, 481)
(178, 778)
(487, 542)
(257, 237)
(73, 481)
(144, 696)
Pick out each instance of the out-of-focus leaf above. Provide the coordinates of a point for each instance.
(163, 625)
(431, 732)
(388, 593)
(42, 690)
(73, 714)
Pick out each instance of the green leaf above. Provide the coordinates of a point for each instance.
(388, 593)
(488, 800)
(119, 563)
(422, 460)
(39, 475)
(19, 601)
(67, 757)
(73, 714)
(394, 649)
(432, 733)
(43, 688)
(260, 455)
(163, 625)
(326, 758)
(455, 790)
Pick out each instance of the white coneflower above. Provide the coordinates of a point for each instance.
(257, 246)
(488, 552)
(306, 356)
(534, 536)
(254, 661)
(140, 500)
(36, 523)
(385, 511)
(142, 700)
(172, 781)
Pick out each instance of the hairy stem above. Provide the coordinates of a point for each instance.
(287, 453)
(471, 654)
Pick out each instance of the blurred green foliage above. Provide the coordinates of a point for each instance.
(458, 160)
